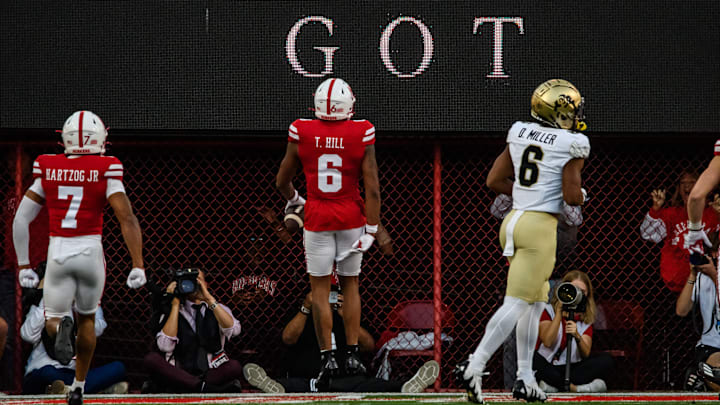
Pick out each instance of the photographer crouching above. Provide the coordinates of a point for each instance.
(699, 294)
(191, 341)
(587, 371)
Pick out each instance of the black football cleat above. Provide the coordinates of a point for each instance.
(64, 348)
(75, 397)
(353, 365)
(709, 372)
(329, 369)
(528, 392)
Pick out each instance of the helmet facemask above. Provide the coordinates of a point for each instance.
(558, 103)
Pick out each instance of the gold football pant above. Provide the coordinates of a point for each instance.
(534, 235)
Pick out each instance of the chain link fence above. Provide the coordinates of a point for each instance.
(200, 203)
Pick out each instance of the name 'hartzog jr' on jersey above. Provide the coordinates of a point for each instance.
(539, 154)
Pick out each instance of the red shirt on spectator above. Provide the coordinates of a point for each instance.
(670, 224)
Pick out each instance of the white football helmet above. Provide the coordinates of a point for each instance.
(83, 134)
(334, 100)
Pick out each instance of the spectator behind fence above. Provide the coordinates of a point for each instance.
(699, 292)
(588, 370)
(46, 375)
(7, 306)
(303, 360)
(669, 223)
(193, 330)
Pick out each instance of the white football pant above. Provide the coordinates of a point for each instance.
(75, 272)
(323, 248)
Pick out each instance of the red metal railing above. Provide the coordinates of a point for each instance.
(437, 256)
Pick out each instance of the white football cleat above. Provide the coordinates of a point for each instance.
(471, 380)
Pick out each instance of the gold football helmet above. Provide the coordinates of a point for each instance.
(558, 103)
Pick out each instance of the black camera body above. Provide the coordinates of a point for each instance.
(186, 281)
(571, 297)
(698, 259)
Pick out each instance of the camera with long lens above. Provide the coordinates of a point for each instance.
(571, 297)
(186, 281)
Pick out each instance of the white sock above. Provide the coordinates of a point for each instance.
(497, 330)
(527, 334)
(78, 384)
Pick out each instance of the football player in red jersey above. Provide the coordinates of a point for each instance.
(76, 186)
(696, 237)
(334, 152)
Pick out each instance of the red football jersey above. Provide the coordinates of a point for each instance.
(331, 153)
(75, 191)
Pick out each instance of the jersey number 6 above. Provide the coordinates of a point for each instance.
(528, 168)
(329, 179)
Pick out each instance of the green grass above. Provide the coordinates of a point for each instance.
(662, 398)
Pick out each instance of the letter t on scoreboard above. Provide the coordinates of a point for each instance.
(497, 61)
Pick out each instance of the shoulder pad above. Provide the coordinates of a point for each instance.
(580, 148)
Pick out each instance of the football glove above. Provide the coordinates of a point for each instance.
(136, 278)
(362, 244)
(694, 241)
(366, 240)
(28, 278)
(294, 201)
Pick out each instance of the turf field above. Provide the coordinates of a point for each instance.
(654, 398)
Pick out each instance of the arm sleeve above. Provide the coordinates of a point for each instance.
(27, 211)
(37, 170)
(501, 206)
(235, 329)
(37, 187)
(653, 229)
(166, 343)
(580, 147)
(293, 134)
(114, 186)
(115, 169)
(31, 329)
(369, 135)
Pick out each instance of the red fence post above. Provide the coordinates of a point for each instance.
(437, 256)
(18, 291)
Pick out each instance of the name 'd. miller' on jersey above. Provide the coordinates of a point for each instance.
(72, 175)
(330, 143)
(539, 136)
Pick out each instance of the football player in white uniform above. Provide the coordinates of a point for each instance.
(545, 158)
(695, 238)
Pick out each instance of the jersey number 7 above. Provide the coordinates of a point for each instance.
(64, 192)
